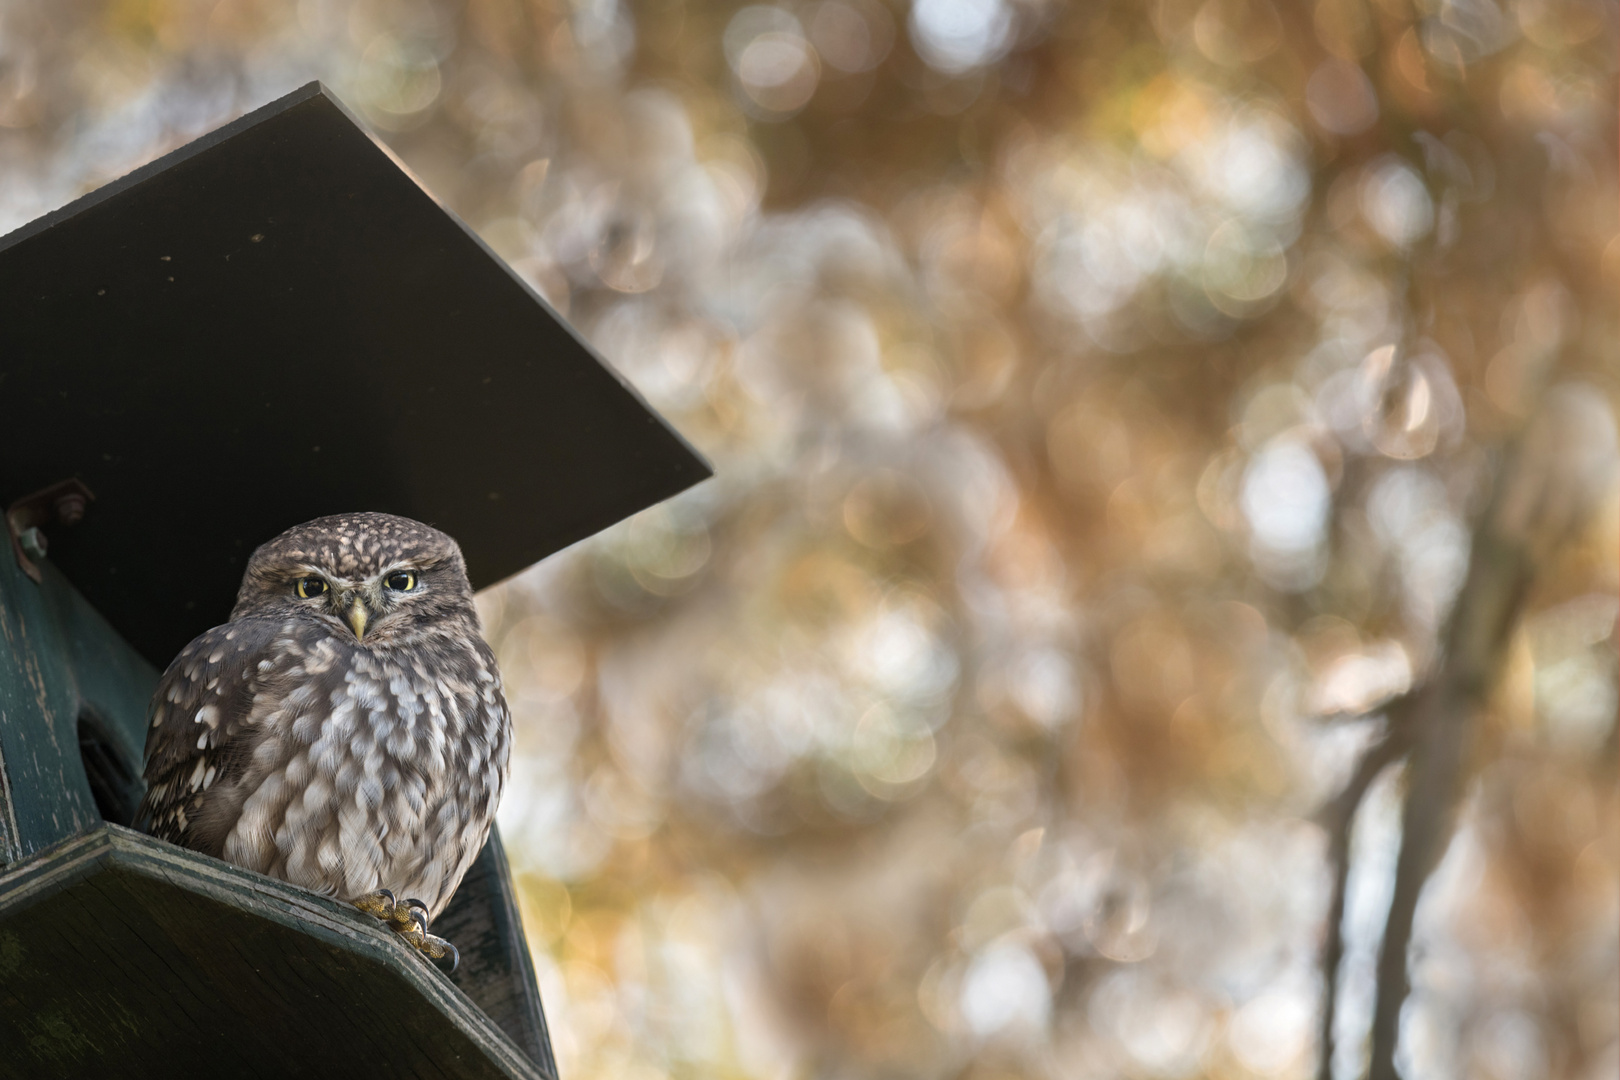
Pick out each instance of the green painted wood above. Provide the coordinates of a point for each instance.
(121, 955)
(66, 678)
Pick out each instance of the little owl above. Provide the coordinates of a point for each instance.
(345, 730)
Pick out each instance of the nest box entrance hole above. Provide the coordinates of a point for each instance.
(114, 782)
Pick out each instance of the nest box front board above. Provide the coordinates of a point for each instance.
(276, 322)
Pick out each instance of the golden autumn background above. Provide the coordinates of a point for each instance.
(1159, 586)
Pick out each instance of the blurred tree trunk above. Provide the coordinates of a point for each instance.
(1547, 487)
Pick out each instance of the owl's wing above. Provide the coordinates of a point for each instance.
(199, 731)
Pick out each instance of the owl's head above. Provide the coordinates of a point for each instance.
(375, 576)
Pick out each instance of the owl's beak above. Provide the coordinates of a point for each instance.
(356, 618)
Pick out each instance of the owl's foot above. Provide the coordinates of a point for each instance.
(382, 905)
(408, 919)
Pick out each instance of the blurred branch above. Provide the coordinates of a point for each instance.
(1550, 483)
(1338, 817)
(1481, 626)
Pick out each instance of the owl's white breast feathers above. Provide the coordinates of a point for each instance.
(389, 779)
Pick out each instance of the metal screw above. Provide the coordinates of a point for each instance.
(70, 508)
(32, 541)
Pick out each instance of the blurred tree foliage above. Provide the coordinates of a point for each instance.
(1166, 455)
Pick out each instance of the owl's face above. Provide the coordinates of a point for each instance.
(375, 577)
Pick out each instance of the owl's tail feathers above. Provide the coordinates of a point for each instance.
(408, 919)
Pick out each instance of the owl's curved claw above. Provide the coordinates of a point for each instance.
(444, 947)
(418, 912)
(434, 948)
(409, 919)
(379, 905)
(403, 918)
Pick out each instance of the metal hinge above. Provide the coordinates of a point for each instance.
(63, 503)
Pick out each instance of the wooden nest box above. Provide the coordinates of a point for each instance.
(273, 323)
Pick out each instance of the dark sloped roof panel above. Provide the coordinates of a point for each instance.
(277, 322)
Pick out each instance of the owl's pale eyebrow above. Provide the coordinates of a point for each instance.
(336, 582)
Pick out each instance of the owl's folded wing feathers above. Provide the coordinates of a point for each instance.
(198, 733)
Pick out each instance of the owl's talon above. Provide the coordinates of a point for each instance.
(408, 919)
(436, 948)
(379, 904)
(398, 916)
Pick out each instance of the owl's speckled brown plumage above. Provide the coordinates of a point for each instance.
(285, 743)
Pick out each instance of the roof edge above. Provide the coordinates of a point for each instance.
(174, 157)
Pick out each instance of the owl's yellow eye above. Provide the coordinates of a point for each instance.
(309, 587)
(400, 581)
